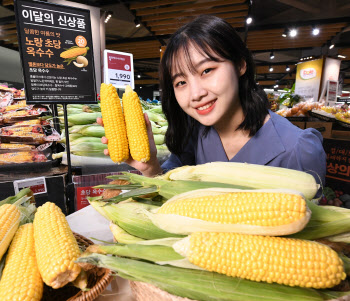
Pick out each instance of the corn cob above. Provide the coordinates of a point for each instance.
(249, 175)
(114, 123)
(280, 260)
(73, 52)
(264, 212)
(135, 126)
(28, 122)
(16, 106)
(10, 218)
(21, 279)
(51, 229)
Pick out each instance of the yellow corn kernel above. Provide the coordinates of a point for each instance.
(20, 157)
(114, 123)
(264, 258)
(135, 126)
(21, 279)
(249, 208)
(73, 52)
(55, 246)
(10, 218)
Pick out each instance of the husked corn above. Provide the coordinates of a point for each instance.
(55, 246)
(21, 279)
(135, 126)
(114, 123)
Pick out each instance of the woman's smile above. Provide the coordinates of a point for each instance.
(206, 108)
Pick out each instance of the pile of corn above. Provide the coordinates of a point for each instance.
(221, 235)
(40, 248)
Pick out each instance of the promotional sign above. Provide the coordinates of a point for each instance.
(56, 51)
(84, 192)
(338, 164)
(308, 79)
(332, 89)
(119, 69)
(37, 185)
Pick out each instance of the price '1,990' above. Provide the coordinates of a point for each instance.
(122, 76)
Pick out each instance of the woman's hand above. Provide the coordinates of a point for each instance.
(152, 167)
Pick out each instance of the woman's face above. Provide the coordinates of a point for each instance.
(209, 93)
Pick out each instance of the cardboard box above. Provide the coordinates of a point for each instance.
(299, 124)
(325, 128)
(344, 135)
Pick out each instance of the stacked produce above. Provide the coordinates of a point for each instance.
(24, 132)
(85, 134)
(41, 249)
(225, 231)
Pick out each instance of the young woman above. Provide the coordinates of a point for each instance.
(217, 112)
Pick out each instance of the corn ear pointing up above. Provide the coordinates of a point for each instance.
(114, 123)
(135, 126)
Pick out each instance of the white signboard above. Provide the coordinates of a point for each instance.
(118, 69)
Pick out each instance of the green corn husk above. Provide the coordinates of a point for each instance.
(252, 175)
(152, 253)
(121, 236)
(75, 129)
(200, 285)
(324, 222)
(89, 147)
(157, 110)
(70, 111)
(84, 118)
(72, 137)
(159, 139)
(26, 192)
(159, 130)
(155, 117)
(83, 139)
(92, 131)
(129, 216)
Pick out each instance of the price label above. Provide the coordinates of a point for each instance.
(119, 69)
(37, 185)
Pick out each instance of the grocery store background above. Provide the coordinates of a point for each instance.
(143, 27)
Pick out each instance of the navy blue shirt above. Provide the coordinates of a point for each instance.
(277, 143)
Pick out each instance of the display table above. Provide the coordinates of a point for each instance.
(89, 223)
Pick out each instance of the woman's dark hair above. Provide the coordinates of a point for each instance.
(216, 39)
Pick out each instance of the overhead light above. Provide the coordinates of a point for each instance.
(108, 16)
(302, 59)
(249, 20)
(285, 33)
(315, 31)
(272, 56)
(140, 87)
(287, 68)
(331, 46)
(270, 68)
(275, 86)
(137, 23)
(139, 76)
(342, 56)
(293, 32)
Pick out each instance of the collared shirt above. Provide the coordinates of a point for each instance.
(277, 143)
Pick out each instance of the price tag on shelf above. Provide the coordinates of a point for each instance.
(37, 185)
(119, 69)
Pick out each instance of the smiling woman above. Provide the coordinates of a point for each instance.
(217, 112)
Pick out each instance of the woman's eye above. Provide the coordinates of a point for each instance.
(180, 83)
(206, 71)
